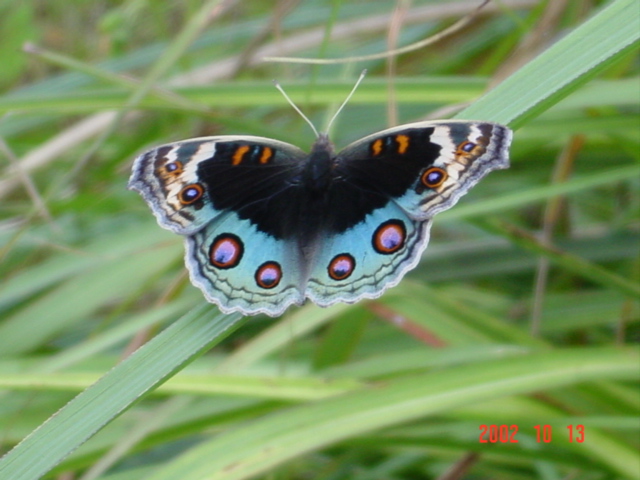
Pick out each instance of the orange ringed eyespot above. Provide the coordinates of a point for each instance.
(190, 193)
(389, 237)
(173, 167)
(268, 275)
(433, 177)
(466, 146)
(341, 266)
(226, 251)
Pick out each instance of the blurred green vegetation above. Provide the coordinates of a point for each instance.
(524, 310)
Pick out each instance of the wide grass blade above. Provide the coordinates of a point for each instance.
(148, 367)
(266, 443)
(572, 61)
(61, 290)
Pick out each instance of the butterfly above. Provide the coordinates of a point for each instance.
(267, 225)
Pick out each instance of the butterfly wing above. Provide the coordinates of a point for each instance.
(427, 166)
(368, 258)
(257, 241)
(188, 183)
(241, 268)
(229, 195)
(389, 185)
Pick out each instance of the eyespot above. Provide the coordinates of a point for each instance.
(433, 177)
(190, 193)
(389, 237)
(226, 251)
(466, 146)
(268, 275)
(174, 168)
(341, 266)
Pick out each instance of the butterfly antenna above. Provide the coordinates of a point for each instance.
(277, 85)
(353, 90)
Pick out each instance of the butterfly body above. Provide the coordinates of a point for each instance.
(268, 225)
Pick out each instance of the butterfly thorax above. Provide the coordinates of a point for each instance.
(316, 177)
(309, 215)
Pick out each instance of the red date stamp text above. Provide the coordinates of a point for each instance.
(543, 433)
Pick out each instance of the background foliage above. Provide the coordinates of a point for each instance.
(523, 311)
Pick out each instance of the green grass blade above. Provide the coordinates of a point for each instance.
(61, 290)
(519, 199)
(590, 48)
(440, 90)
(277, 388)
(46, 316)
(263, 444)
(106, 399)
(571, 262)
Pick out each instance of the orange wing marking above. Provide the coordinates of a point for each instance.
(239, 155)
(376, 147)
(267, 153)
(403, 143)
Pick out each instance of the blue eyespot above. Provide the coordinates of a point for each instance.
(268, 275)
(467, 146)
(226, 251)
(173, 167)
(433, 177)
(190, 193)
(341, 266)
(389, 237)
